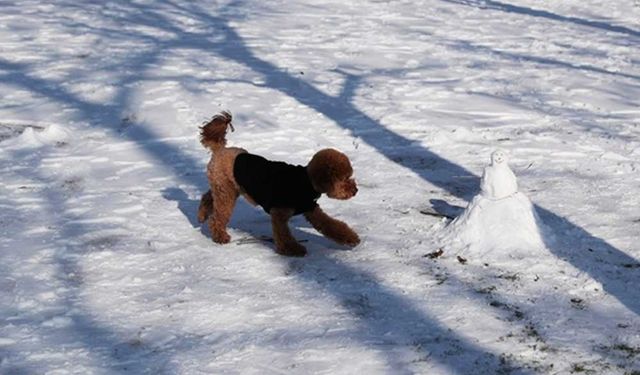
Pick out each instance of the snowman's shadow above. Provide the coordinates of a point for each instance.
(446, 209)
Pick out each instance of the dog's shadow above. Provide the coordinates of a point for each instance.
(243, 217)
(250, 220)
(188, 207)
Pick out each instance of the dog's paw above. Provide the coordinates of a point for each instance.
(346, 237)
(351, 239)
(292, 249)
(221, 237)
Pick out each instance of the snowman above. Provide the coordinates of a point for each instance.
(500, 223)
(498, 180)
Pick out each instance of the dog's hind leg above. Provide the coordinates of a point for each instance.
(206, 206)
(224, 196)
(286, 244)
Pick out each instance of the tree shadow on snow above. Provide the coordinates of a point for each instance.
(393, 326)
(395, 147)
(110, 350)
(437, 170)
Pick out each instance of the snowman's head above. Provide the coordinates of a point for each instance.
(498, 157)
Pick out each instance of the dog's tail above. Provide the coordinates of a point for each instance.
(213, 133)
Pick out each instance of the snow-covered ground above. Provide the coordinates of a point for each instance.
(104, 269)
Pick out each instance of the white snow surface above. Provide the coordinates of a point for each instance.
(104, 269)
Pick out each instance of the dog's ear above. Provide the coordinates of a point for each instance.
(328, 170)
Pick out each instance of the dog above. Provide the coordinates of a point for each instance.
(281, 189)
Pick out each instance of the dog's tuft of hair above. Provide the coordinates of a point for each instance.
(213, 133)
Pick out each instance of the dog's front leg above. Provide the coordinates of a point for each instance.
(286, 244)
(332, 228)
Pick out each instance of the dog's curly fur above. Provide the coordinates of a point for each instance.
(329, 170)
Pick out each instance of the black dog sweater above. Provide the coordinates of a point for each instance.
(275, 184)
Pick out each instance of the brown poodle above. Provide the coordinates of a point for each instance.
(282, 190)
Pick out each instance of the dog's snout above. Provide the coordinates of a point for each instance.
(353, 187)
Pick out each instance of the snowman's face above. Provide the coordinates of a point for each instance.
(498, 157)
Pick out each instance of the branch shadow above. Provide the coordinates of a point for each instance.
(543, 60)
(508, 8)
(465, 45)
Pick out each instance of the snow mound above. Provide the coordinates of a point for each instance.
(27, 139)
(30, 138)
(494, 230)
